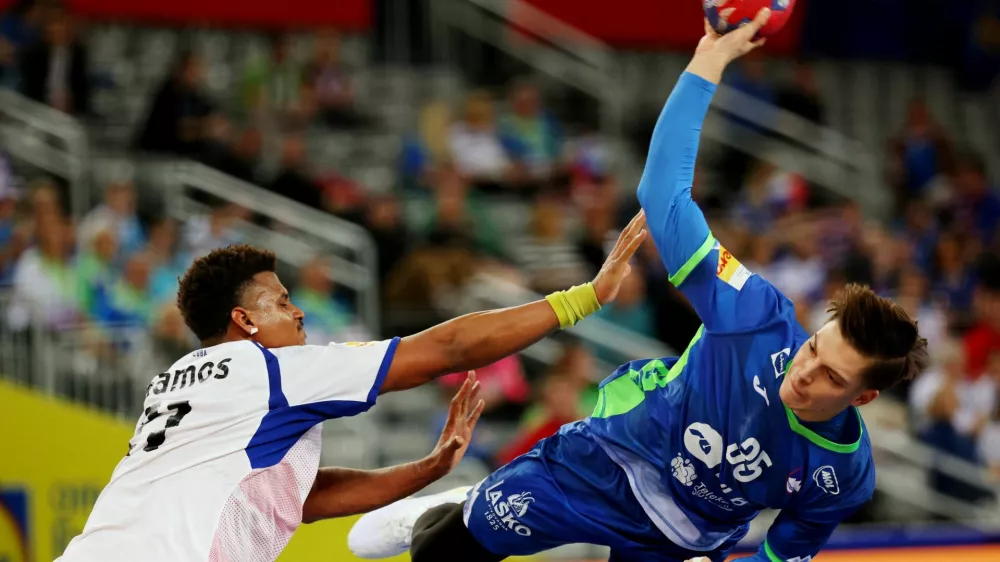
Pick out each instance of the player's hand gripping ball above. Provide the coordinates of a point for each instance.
(727, 15)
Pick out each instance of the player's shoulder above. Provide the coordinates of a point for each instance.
(843, 477)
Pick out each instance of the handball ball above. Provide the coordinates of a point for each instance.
(727, 15)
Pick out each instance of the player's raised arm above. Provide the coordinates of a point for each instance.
(710, 277)
(481, 338)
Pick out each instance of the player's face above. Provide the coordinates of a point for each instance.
(825, 377)
(278, 321)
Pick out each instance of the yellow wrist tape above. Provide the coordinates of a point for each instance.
(574, 305)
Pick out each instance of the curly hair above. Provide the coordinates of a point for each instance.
(214, 285)
(881, 330)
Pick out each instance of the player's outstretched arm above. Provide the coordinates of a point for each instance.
(726, 296)
(339, 492)
(481, 338)
(675, 221)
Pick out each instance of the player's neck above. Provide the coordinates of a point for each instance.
(810, 416)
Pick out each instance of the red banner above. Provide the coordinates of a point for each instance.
(353, 15)
(654, 23)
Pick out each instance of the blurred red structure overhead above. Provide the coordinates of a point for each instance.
(654, 24)
(345, 14)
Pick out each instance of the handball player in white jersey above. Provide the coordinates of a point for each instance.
(224, 463)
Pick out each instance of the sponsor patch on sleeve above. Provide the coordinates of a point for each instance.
(730, 270)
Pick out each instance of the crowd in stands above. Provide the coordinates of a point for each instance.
(938, 257)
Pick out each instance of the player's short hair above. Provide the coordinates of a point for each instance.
(881, 331)
(214, 284)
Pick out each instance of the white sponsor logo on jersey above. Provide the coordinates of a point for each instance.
(704, 443)
(683, 470)
(826, 479)
(503, 512)
(779, 361)
(760, 390)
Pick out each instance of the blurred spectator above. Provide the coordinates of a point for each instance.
(21, 24)
(983, 337)
(118, 214)
(769, 194)
(385, 224)
(216, 230)
(332, 84)
(273, 85)
(818, 314)
(630, 310)
(460, 217)
(802, 96)
(9, 76)
(429, 147)
(170, 339)
(128, 301)
(952, 278)
(801, 271)
(558, 406)
(530, 133)
(948, 416)
(917, 154)
(56, 71)
(45, 285)
(167, 260)
(175, 121)
(547, 257)
(503, 386)
(915, 297)
(327, 320)
(597, 223)
(96, 271)
(476, 147)
(236, 154)
(978, 205)
(293, 180)
(15, 233)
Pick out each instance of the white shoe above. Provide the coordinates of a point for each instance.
(388, 531)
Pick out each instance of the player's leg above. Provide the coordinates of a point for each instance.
(441, 534)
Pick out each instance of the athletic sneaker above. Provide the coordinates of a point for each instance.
(388, 531)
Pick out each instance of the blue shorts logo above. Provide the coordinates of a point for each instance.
(826, 479)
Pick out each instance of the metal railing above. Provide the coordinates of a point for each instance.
(49, 139)
(555, 49)
(303, 231)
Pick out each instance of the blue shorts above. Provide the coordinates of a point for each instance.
(567, 490)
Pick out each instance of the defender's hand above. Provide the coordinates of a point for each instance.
(463, 413)
(616, 267)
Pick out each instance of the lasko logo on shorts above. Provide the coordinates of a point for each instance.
(826, 479)
(503, 513)
(731, 270)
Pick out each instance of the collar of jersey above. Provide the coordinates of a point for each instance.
(817, 439)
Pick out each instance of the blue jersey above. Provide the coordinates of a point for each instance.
(704, 439)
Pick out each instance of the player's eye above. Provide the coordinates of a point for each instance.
(812, 348)
(833, 379)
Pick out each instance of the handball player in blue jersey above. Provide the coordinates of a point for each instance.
(681, 453)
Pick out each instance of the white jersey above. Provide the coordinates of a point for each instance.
(226, 452)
